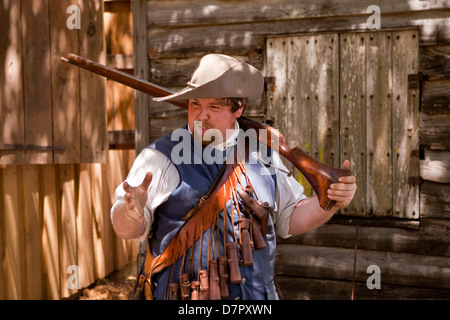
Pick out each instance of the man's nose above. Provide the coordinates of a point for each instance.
(204, 114)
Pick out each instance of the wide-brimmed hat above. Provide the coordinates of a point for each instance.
(220, 76)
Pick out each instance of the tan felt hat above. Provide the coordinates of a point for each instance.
(220, 76)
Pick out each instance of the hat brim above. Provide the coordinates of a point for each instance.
(239, 81)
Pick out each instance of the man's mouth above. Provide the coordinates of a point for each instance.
(202, 128)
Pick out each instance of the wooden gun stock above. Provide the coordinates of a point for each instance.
(319, 175)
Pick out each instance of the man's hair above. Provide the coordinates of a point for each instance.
(235, 103)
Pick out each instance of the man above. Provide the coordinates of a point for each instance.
(160, 190)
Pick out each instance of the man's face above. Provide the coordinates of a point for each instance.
(211, 114)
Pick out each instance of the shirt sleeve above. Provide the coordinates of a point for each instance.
(165, 179)
(288, 194)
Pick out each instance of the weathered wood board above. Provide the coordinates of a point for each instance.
(428, 238)
(37, 94)
(436, 166)
(11, 98)
(352, 115)
(405, 116)
(47, 105)
(194, 13)
(379, 124)
(325, 289)
(337, 264)
(93, 131)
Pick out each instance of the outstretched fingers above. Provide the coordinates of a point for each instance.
(136, 197)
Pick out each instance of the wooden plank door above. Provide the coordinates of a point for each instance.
(304, 101)
(345, 96)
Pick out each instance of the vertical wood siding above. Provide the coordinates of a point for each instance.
(55, 216)
(44, 101)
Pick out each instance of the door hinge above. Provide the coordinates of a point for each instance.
(270, 81)
(414, 181)
(415, 80)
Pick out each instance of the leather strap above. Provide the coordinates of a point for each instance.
(202, 218)
(198, 221)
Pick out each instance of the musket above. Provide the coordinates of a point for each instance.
(318, 174)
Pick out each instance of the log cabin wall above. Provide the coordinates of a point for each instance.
(55, 207)
(412, 252)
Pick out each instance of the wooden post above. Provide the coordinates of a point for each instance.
(65, 81)
(378, 123)
(405, 115)
(37, 94)
(11, 94)
(91, 39)
(141, 70)
(353, 114)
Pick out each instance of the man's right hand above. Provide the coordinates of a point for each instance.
(128, 219)
(136, 197)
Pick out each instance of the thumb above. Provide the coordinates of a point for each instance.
(346, 165)
(147, 180)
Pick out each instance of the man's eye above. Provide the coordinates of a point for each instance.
(215, 107)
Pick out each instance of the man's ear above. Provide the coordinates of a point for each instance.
(239, 112)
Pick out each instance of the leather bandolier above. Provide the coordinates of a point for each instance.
(223, 267)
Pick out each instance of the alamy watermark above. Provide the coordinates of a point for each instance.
(74, 20)
(73, 281)
(374, 21)
(374, 281)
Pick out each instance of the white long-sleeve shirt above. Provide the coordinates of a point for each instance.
(166, 179)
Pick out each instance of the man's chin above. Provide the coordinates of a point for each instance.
(205, 143)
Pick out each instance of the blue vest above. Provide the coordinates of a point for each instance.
(195, 180)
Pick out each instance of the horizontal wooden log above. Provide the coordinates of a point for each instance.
(434, 61)
(160, 127)
(242, 38)
(323, 289)
(161, 110)
(436, 166)
(436, 97)
(177, 72)
(337, 264)
(121, 139)
(235, 40)
(421, 241)
(435, 200)
(172, 72)
(188, 13)
(434, 130)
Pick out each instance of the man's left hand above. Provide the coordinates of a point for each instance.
(343, 191)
